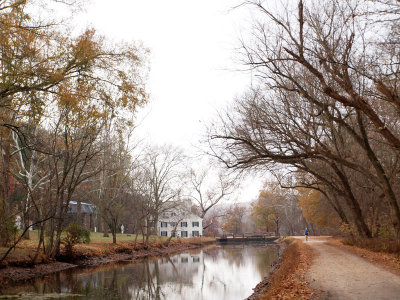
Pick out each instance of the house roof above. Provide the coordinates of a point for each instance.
(175, 218)
(86, 208)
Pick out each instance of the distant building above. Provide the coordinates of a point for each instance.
(188, 226)
(88, 214)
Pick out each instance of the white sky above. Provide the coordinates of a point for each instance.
(192, 63)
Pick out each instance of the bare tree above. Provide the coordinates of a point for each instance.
(72, 148)
(207, 195)
(163, 172)
(316, 106)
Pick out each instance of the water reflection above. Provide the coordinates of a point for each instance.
(218, 272)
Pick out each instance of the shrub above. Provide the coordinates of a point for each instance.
(386, 231)
(74, 234)
(8, 232)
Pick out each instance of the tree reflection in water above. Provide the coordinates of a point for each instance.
(218, 272)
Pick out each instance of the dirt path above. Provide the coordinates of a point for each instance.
(337, 274)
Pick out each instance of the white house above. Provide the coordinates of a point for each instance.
(188, 226)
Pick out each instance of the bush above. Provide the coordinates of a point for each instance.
(8, 232)
(75, 234)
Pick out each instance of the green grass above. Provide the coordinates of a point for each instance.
(96, 237)
(99, 245)
(26, 247)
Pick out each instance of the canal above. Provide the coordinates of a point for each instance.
(214, 272)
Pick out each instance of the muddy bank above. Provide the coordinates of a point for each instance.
(134, 255)
(11, 275)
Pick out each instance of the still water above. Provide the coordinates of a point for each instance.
(215, 272)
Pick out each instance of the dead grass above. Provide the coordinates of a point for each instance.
(288, 282)
(375, 244)
(98, 247)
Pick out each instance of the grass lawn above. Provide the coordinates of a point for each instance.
(98, 245)
(98, 237)
(94, 237)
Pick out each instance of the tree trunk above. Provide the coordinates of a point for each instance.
(387, 187)
(56, 247)
(4, 188)
(136, 236)
(155, 224)
(41, 236)
(277, 227)
(79, 212)
(59, 228)
(105, 229)
(353, 204)
(147, 234)
(26, 224)
(172, 233)
(114, 234)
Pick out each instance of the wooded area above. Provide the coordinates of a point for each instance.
(323, 111)
(321, 115)
(68, 104)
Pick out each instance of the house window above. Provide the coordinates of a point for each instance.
(184, 233)
(173, 233)
(184, 259)
(195, 233)
(196, 259)
(164, 233)
(172, 224)
(195, 224)
(164, 224)
(183, 224)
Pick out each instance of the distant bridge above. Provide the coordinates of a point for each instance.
(246, 237)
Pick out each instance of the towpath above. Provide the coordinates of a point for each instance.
(337, 274)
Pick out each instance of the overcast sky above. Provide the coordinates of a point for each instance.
(192, 62)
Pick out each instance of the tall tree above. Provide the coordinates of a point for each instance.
(316, 109)
(163, 171)
(65, 81)
(232, 221)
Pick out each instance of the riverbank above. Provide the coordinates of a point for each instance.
(93, 254)
(287, 279)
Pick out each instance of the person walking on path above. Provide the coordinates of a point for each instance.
(306, 232)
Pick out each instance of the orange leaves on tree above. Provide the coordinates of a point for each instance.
(316, 209)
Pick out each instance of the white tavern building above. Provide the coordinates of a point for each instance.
(189, 226)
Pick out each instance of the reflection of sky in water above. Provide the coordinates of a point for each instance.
(228, 276)
(228, 272)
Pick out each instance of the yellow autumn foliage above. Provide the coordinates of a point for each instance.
(316, 209)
